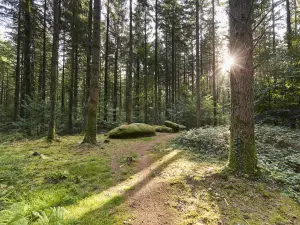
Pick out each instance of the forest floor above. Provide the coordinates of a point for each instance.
(132, 181)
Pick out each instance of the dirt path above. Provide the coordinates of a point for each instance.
(141, 148)
(148, 201)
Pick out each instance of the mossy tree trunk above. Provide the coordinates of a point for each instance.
(243, 156)
(54, 66)
(91, 130)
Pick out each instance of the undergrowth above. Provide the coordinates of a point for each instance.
(39, 180)
(278, 151)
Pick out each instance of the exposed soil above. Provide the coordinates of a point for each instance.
(148, 202)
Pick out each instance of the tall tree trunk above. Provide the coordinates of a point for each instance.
(137, 88)
(129, 75)
(288, 25)
(63, 76)
(167, 79)
(17, 75)
(106, 64)
(145, 67)
(214, 64)
(2, 92)
(115, 101)
(242, 156)
(88, 61)
(115, 104)
(91, 131)
(27, 55)
(44, 64)
(54, 68)
(198, 97)
(173, 61)
(155, 64)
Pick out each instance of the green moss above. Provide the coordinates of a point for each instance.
(163, 129)
(132, 131)
(243, 155)
(175, 127)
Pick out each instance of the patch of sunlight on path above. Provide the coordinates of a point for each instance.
(97, 201)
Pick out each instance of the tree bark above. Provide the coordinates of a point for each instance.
(129, 75)
(91, 130)
(214, 64)
(88, 60)
(54, 68)
(242, 156)
(198, 97)
(17, 75)
(106, 64)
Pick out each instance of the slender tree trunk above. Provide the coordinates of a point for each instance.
(129, 78)
(17, 75)
(146, 67)
(91, 131)
(2, 92)
(54, 67)
(63, 76)
(115, 105)
(198, 97)
(155, 64)
(288, 25)
(242, 156)
(173, 62)
(106, 64)
(44, 64)
(27, 55)
(214, 64)
(115, 101)
(137, 88)
(167, 78)
(88, 61)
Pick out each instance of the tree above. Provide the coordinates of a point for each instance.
(243, 156)
(198, 112)
(54, 69)
(91, 130)
(129, 74)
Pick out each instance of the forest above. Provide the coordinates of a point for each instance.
(149, 112)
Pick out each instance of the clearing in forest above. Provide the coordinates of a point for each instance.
(133, 181)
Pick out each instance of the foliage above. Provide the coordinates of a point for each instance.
(53, 216)
(39, 116)
(132, 130)
(278, 150)
(15, 214)
(208, 140)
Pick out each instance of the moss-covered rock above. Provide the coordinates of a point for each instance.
(132, 131)
(182, 127)
(163, 129)
(175, 127)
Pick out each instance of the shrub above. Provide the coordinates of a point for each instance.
(132, 130)
(213, 140)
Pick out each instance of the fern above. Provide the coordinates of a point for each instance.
(54, 217)
(15, 214)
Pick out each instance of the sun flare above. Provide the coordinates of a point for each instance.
(228, 62)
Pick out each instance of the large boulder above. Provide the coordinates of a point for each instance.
(175, 127)
(133, 130)
(163, 129)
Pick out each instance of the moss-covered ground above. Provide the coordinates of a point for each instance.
(133, 180)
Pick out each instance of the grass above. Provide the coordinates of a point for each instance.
(61, 175)
(204, 194)
(81, 179)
